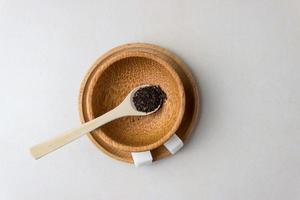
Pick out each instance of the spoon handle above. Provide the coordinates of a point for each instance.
(50, 145)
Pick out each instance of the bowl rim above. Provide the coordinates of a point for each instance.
(99, 68)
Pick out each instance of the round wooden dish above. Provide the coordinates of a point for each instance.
(113, 78)
(129, 66)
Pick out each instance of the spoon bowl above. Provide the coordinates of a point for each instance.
(129, 107)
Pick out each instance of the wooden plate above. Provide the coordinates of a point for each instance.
(191, 109)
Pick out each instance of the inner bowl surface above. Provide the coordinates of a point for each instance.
(114, 79)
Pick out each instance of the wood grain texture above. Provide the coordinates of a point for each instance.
(118, 67)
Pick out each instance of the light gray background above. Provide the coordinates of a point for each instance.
(244, 54)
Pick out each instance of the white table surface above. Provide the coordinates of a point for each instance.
(244, 54)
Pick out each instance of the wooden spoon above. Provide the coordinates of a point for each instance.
(126, 108)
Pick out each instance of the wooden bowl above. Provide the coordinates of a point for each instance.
(192, 105)
(112, 78)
